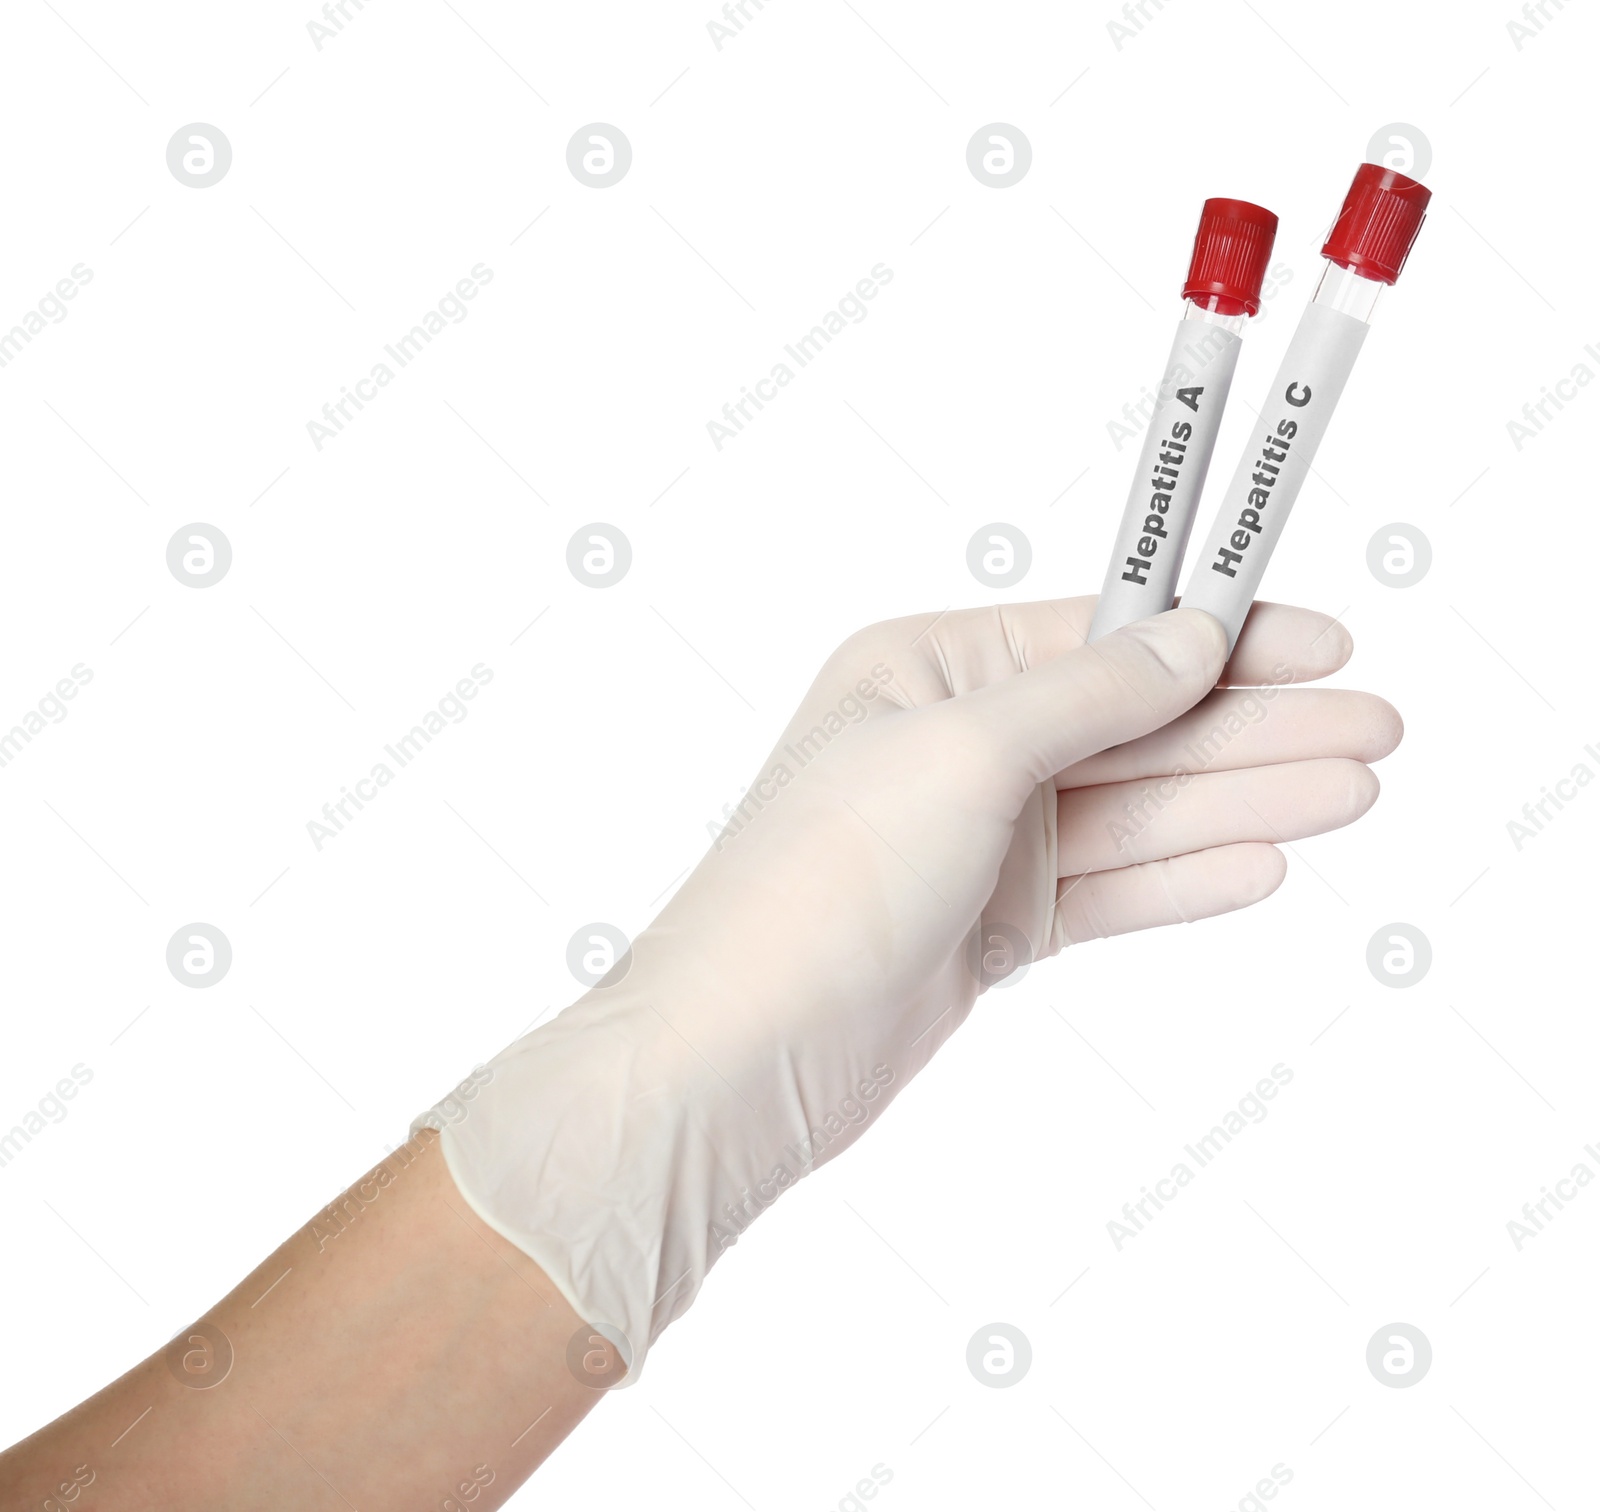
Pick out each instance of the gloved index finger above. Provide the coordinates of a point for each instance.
(927, 658)
(962, 650)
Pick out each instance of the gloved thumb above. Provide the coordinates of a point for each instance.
(1132, 681)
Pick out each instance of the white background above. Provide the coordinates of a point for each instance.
(367, 577)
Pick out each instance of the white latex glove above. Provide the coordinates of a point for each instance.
(957, 794)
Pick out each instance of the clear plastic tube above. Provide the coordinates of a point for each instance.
(1207, 311)
(1366, 249)
(1348, 292)
(1255, 507)
(1231, 250)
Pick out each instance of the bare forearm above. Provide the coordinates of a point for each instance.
(394, 1349)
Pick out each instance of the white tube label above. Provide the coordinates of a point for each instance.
(1159, 514)
(1257, 502)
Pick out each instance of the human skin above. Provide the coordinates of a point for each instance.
(407, 1353)
(382, 1363)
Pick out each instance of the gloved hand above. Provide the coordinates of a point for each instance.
(958, 794)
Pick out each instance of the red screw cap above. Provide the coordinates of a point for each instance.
(1231, 252)
(1382, 214)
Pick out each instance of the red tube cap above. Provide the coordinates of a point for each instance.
(1382, 214)
(1231, 252)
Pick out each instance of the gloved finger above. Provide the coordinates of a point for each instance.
(938, 656)
(1176, 891)
(1032, 724)
(1248, 727)
(1123, 823)
(1284, 644)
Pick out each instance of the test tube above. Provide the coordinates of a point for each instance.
(1366, 250)
(1231, 250)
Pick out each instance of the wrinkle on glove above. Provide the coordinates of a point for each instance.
(841, 929)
